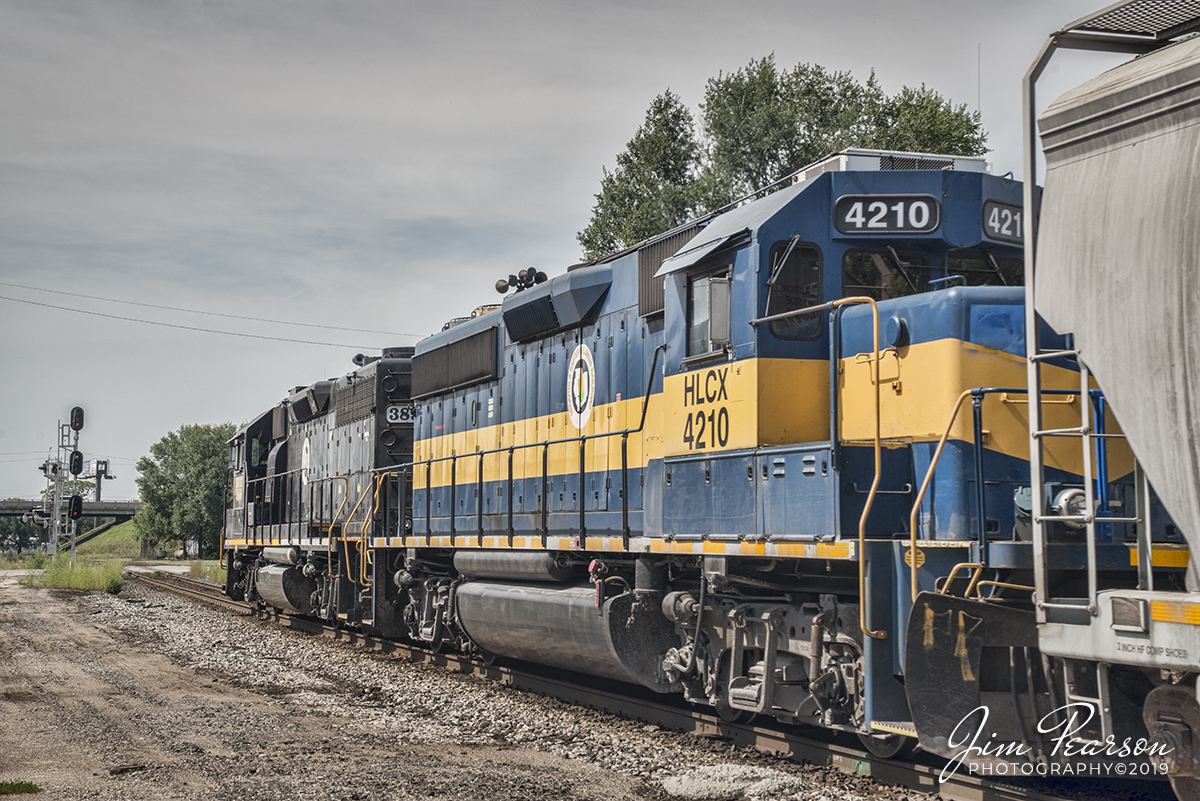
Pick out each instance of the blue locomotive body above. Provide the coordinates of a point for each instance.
(722, 463)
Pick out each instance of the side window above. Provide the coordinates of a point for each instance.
(984, 269)
(884, 274)
(795, 283)
(707, 313)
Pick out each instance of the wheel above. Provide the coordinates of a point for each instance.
(889, 746)
(730, 715)
(1187, 788)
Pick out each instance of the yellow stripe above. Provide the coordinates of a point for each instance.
(894, 728)
(759, 398)
(527, 461)
(1162, 557)
(920, 383)
(745, 404)
(1175, 612)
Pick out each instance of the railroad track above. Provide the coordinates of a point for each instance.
(820, 748)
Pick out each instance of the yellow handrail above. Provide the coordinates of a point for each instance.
(974, 566)
(980, 584)
(362, 543)
(912, 518)
(333, 522)
(366, 555)
(862, 521)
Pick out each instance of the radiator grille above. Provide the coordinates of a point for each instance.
(651, 298)
(466, 361)
(891, 162)
(355, 401)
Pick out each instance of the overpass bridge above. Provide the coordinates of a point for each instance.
(122, 510)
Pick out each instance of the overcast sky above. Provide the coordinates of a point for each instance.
(366, 165)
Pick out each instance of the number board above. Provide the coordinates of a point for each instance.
(887, 214)
(1003, 222)
(401, 414)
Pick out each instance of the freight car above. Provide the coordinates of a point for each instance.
(1115, 263)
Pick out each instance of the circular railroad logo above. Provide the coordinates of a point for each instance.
(581, 386)
(305, 460)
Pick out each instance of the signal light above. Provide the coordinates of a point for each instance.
(75, 507)
(77, 418)
(76, 463)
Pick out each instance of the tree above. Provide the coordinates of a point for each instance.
(72, 486)
(760, 125)
(16, 535)
(182, 484)
(648, 192)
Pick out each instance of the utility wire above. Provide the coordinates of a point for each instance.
(197, 311)
(190, 327)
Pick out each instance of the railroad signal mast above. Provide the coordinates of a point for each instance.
(69, 460)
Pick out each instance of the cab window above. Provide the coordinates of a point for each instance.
(884, 274)
(707, 313)
(985, 269)
(795, 283)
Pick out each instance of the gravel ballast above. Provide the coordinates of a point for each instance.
(145, 695)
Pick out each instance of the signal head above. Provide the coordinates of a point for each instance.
(76, 463)
(75, 507)
(77, 418)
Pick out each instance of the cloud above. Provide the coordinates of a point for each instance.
(362, 163)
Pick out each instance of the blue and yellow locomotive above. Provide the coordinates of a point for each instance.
(723, 463)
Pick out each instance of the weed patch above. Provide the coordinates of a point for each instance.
(60, 573)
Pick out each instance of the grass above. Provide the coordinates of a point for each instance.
(60, 573)
(17, 788)
(29, 561)
(210, 570)
(119, 542)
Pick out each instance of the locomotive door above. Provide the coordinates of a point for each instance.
(595, 491)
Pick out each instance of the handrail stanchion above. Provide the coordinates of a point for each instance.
(453, 499)
(428, 500)
(980, 500)
(625, 490)
(545, 493)
(510, 496)
(582, 499)
(479, 500)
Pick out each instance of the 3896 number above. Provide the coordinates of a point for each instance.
(401, 414)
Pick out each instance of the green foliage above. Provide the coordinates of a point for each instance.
(210, 570)
(18, 788)
(649, 191)
(17, 536)
(759, 125)
(82, 575)
(182, 485)
(119, 542)
(73, 486)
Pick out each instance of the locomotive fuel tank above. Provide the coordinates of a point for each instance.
(286, 587)
(564, 626)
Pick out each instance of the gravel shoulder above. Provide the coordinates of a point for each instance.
(146, 696)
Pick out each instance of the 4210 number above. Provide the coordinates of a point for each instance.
(707, 429)
(885, 214)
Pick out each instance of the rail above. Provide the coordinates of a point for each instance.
(809, 745)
